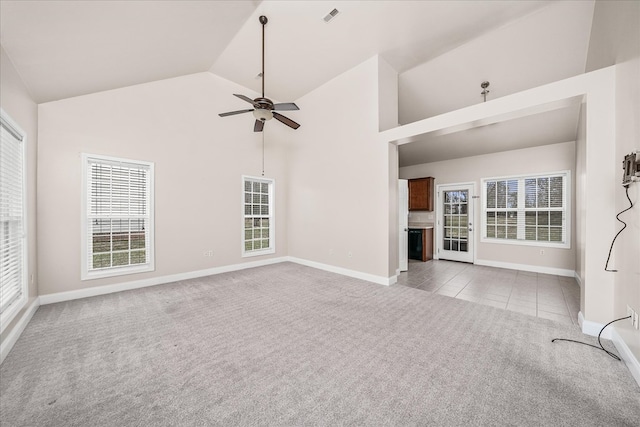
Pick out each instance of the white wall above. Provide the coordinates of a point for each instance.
(199, 160)
(502, 56)
(339, 176)
(548, 158)
(580, 205)
(16, 100)
(597, 89)
(615, 39)
(387, 119)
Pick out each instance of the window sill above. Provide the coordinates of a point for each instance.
(116, 271)
(526, 243)
(258, 253)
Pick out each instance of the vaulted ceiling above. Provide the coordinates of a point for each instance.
(63, 49)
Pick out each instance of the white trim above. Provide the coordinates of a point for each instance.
(626, 355)
(592, 328)
(85, 273)
(136, 284)
(568, 194)
(272, 218)
(381, 280)
(439, 224)
(392, 280)
(7, 344)
(578, 278)
(526, 267)
(12, 310)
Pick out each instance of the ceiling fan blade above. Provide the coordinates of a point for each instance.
(287, 121)
(231, 113)
(285, 106)
(245, 98)
(257, 127)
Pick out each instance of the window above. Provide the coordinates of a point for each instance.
(258, 237)
(118, 217)
(530, 210)
(13, 233)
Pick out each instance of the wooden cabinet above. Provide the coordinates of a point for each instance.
(421, 194)
(427, 244)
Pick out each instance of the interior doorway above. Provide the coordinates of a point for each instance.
(403, 224)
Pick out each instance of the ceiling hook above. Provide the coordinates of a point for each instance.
(484, 85)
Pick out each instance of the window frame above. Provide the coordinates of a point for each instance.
(271, 216)
(521, 210)
(11, 311)
(86, 251)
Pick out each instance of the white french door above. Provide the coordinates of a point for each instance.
(455, 222)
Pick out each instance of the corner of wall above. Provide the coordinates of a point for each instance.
(17, 101)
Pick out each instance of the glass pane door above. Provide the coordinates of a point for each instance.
(455, 223)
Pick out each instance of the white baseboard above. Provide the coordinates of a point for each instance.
(626, 355)
(7, 344)
(578, 279)
(526, 267)
(593, 328)
(381, 280)
(136, 284)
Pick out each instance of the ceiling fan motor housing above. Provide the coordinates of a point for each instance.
(263, 103)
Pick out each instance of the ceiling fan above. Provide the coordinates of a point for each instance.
(263, 108)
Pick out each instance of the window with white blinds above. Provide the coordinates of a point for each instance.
(13, 236)
(530, 210)
(258, 237)
(118, 224)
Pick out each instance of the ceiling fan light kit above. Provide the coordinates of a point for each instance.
(263, 108)
(262, 114)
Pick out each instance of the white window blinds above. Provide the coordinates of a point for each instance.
(529, 209)
(13, 283)
(118, 216)
(258, 235)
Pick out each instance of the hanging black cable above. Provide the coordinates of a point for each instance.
(606, 266)
(615, 356)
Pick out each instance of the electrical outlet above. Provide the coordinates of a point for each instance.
(350, 254)
(208, 252)
(633, 316)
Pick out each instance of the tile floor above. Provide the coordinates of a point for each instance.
(542, 295)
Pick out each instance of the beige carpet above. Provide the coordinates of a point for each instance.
(291, 345)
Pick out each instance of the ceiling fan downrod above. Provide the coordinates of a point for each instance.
(263, 20)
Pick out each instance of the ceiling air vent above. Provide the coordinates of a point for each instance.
(331, 15)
